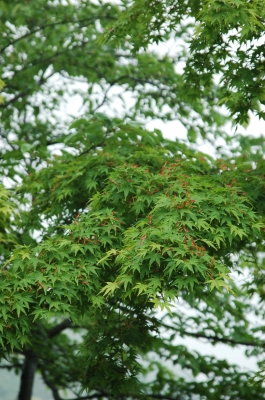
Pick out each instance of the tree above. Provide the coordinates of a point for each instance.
(107, 229)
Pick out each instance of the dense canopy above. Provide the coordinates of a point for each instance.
(117, 243)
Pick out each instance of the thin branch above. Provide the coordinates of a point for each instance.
(9, 367)
(43, 27)
(155, 396)
(104, 99)
(54, 390)
(102, 144)
(25, 93)
(91, 396)
(213, 338)
(72, 78)
(222, 340)
(36, 62)
(15, 98)
(126, 396)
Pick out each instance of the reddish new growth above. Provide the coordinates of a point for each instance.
(142, 239)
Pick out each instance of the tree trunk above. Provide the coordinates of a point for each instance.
(27, 377)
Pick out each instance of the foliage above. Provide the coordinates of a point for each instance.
(115, 241)
(227, 44)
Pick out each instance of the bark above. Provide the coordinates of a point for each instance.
(40, 335)
(27, 377)
(66, 323)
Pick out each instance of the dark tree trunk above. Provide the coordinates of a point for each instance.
(40, 336)
(27, 377)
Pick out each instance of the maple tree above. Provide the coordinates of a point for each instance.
(116, 241)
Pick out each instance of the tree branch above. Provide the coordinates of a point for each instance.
(43, 27)
(213, 338)
(102, 144)
(25, 93)
(27, 377)
(54, 390)
(9, 367)
(66, 323)
(126, 396)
